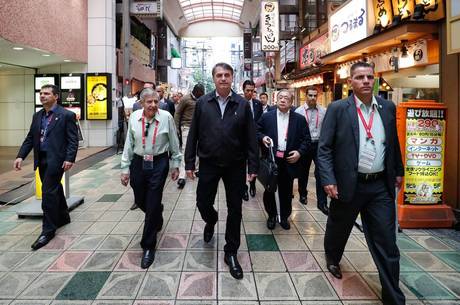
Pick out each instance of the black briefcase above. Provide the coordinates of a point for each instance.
(268, 172)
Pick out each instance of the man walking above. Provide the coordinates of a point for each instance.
(165, 104)
(54, 138)
(223, 135)
(314, 114)
(360, 163)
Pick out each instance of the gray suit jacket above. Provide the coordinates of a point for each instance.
(338, 147)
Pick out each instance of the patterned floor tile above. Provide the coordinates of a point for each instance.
(34, 302)
(67, 302)
(112, 216)
(406, 264)
(407, 244)
(256, 227)
(173, 241)
(38, 261)
(373, 280)
(275, 286)
(181, 226)
(112, 302)
(424, 286)
(87, 242)
(154, 302)
(428, 261)
(110, 197)
(5, 227)
(351, 286)
(7, 242)
(362, 261)
(12, 284)
(345, 265)
(221, 242)
(188, 302)
(301, 216)
(70, 261)
(8, 260)
(102, 228)
(450, 280)
(25, 229)
(261, 242)
(450, 258)
(243, 258)
(317, 303)
(267, 261)
(196, 242)
(130, 261)
(168, 261)
(290, 242)
(200, 261)
(231, 289)
(183, 214)
(60, 242)
(300, 261)
(47, 286)
(121, 285)
(314, 242)
(197, 285)
(431, 243)
(84, 286)
(313, 286)
(89, 216)
(309, 228)
(102, 261)
(115, 242)
(74, 228)
(159, 285)
(126, 228)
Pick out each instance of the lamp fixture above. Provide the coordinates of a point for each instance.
(67, 60)
(46, 55)
(18, 48)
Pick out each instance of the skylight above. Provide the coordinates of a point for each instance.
(201, 10)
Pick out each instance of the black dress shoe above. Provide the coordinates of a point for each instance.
(245, 195)
(285, 224)
(208, 232)
(252, 190)
(133, 207)
(197, 174)
(180, 183)
(148, 256)
(324, 209)
(303, 199)
(235, 268)
(41, 241)
(334, 270)
(271, 223)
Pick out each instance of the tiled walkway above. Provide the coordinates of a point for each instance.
(95, 259)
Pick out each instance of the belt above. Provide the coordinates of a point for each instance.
(165, 154)
(370, 177)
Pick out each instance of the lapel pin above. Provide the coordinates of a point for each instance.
(380, 106)
(56, 119)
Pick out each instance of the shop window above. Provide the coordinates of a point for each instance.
(288, 22)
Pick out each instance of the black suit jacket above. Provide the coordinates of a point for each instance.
(258, 110)
(338, 147)
(298, 137)
(62, 139)
(171, 107)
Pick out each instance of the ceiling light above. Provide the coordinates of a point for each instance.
(67, 60)
(46, 55)
(18, 48)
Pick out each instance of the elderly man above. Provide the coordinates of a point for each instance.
(145, 164)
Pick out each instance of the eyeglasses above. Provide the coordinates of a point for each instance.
(147, 126)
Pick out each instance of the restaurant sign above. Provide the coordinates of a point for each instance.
(269, 25)
(312, 52)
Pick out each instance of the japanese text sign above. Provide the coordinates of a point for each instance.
(269, 25)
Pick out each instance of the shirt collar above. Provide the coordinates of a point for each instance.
(308, 107)
(226, 98)
(283, 114)
(141, 113)
(374, 103)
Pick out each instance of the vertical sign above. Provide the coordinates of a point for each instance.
(269, 25)
(98, 96)
(72, 93)
(425, 146)
(247, 49)
(404, 8)
(383, 12)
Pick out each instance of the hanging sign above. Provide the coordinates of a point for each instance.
(383, 12)
(247, 49)
(98, 96)
(404, 8)
(425, 146)
(312, 52)
(269, 25)
(434, 9)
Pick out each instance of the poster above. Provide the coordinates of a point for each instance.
(269, 25)
(425, 146)
(72, 93)
(98, 96)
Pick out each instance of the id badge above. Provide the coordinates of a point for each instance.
(280, 154)
(367, 158)
(314, 133)
(147, 162)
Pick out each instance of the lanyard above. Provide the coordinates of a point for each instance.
(317, 117)
(43, 131)
(154, 132)
(286, 133)
(367, 126)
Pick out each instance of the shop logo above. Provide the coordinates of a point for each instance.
(269, 7)
(418, 54)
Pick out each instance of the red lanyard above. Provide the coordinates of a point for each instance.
(317, 117)
(43, 131)
(154, 133)
(367, 126)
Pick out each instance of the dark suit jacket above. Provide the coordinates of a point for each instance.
(170, 106)
(298, 136)
(338, 147)
(258, 110)
(62, 139)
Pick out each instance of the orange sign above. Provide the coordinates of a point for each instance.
(383, 12)
(405, 8)
(434, 9)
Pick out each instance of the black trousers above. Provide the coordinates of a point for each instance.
(312, 155)
(285, 182)
(148, 187)
(234, 183)
(54, 205)
(373, 201)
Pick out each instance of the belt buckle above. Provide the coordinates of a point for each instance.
(367, 177)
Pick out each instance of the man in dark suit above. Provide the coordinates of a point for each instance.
(288, 133)
(249, 88)
(264, 101)
(54, 138)
(223, 135)
(360, 164)
(165, 104)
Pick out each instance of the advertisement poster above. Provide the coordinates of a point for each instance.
(41, 80)
(269, 25)
(98, 96)
(72, 93)
(425, 146)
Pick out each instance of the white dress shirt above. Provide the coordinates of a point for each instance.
(223, 102)
(311, 115)
(251, 104)
(282, 127)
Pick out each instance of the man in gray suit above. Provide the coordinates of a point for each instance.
(360, 164)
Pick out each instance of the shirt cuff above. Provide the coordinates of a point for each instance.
(125, 170)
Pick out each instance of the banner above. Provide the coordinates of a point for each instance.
(98, 96)
(425, 146)
(269, 25)
(247, 49)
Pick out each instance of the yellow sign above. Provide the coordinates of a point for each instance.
(434, 9)
(404, 8)
(38, 185)
(425, 146)
(383, 12)
(97, 93)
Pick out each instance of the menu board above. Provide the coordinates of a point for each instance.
(98, 96)
(425, 146)
(41, 80)
(72, 93)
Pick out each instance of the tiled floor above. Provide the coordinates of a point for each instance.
(95, 259)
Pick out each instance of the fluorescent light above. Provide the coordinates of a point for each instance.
(46, 55)
(67, 60)
(18, 48)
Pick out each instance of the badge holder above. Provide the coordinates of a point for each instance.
(147, 162)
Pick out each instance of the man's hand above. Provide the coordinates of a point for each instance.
(67, 165)
(251, 177)
(293, 156)
(17, 164)
(175, 174)
(124, 179)
(331, 191)
(398, 182)
(267, 141)
(190, 174)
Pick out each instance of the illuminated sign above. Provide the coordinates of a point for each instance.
(312, 52)
(72, 94)
(383, 12)
(269, 25)
(404, 8)
(41, 80)
(98, 96)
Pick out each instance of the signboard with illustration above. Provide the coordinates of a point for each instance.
(98, 96)
(269, 25)
(424, 155)
(72, 93)
(41, 80)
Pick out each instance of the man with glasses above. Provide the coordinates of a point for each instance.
(314, 114)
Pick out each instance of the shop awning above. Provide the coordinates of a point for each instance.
(388, 38)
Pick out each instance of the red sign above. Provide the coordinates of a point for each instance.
(312, 52)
